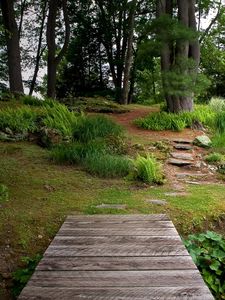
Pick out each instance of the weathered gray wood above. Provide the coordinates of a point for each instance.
(120, 231)
(109, 225)
(108, 257)
(112, 218)
(116, 263)
(126, 293)
(186, 278)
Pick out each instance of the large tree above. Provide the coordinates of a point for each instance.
(179, 54)
(13, 48)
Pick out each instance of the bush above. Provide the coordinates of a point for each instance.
(218, 142)
(214, 157)
(107, 165)
(57, 116)
(208, 252)
(19, 120)
(90, 128)
(148, 170)
(32, 101)
(217, 104)
(177, 122)
(4, 193)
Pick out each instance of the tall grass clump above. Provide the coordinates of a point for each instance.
(177, 122)
(90, 128)
(220, 122)
(20, 120)
(60, 118)
(217, 104)
(148, 170)
(107, 165)
(32, 101)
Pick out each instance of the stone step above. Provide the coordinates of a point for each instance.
(179, 162)
(192, 175)
(112, 206)
(183, 156)
(183, 147)
(156, 201)
(183, 141)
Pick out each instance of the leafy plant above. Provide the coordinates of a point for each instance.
(217, 104)
(220, 122)
(19, 120)
(208, 252)
(214, 157)
(148, 170)
(22, 275)
(218, 142)
(4, 193)
(90, 128)
(32, 101)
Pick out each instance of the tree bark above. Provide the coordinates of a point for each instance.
(53, 60)
(129, 54)
(13, 49)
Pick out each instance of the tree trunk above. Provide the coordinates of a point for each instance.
(129, 55)
(39, 50)
(13, 49)
(53, 60)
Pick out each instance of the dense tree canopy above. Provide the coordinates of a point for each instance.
(114, 47)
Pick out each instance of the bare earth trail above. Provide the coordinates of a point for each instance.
(196, 173)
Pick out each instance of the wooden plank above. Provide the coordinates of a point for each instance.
(137, 293)
(116, 263)
(159, 278)
(127, 249)
(120, 231)
(115, 240)
(112, 218)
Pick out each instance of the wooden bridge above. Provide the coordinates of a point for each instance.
(116, 257)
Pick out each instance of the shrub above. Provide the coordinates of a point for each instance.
(4, 193)
(90, 128)
(218, 142)
(57, 116)
(107, 165)
(148, 170)
(214, 157)
(217, 104)
(19, 120)
(30, 100)
(208, 252)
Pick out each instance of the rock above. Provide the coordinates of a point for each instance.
(183, 147)
(157, 202)
(182, 141)
(202, 141)
(49, 188)
(184, 156)
(183, 175)
(176, 194)
(4, 136)
(49, 137)
(178, 187)
(196, 125)
(8, 131)
(179, 162)
(193, 182)
(113, 206)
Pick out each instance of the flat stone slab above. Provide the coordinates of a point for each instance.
(114, 206)
(176, 194)
(183, 147)
(183, 141)
(179, 162)
(157, 202)
(193, 182)
(183, 156)
(183, 175)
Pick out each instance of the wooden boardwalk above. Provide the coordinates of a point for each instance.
(116, 257)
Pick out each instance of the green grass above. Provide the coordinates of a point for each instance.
(177, 122)
(214, 158)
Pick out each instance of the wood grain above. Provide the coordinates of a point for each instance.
(116, 257)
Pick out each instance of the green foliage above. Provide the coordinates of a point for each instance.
(107, 165)
(220, 122)
(208, 252)
(21, 276)
(57, 116)
(148, 170)
(214, 157)
(19, 120)
(218, 141)
(30, 100)
(217, 104)
(4, 193)
(176, 122)
(90, 128)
